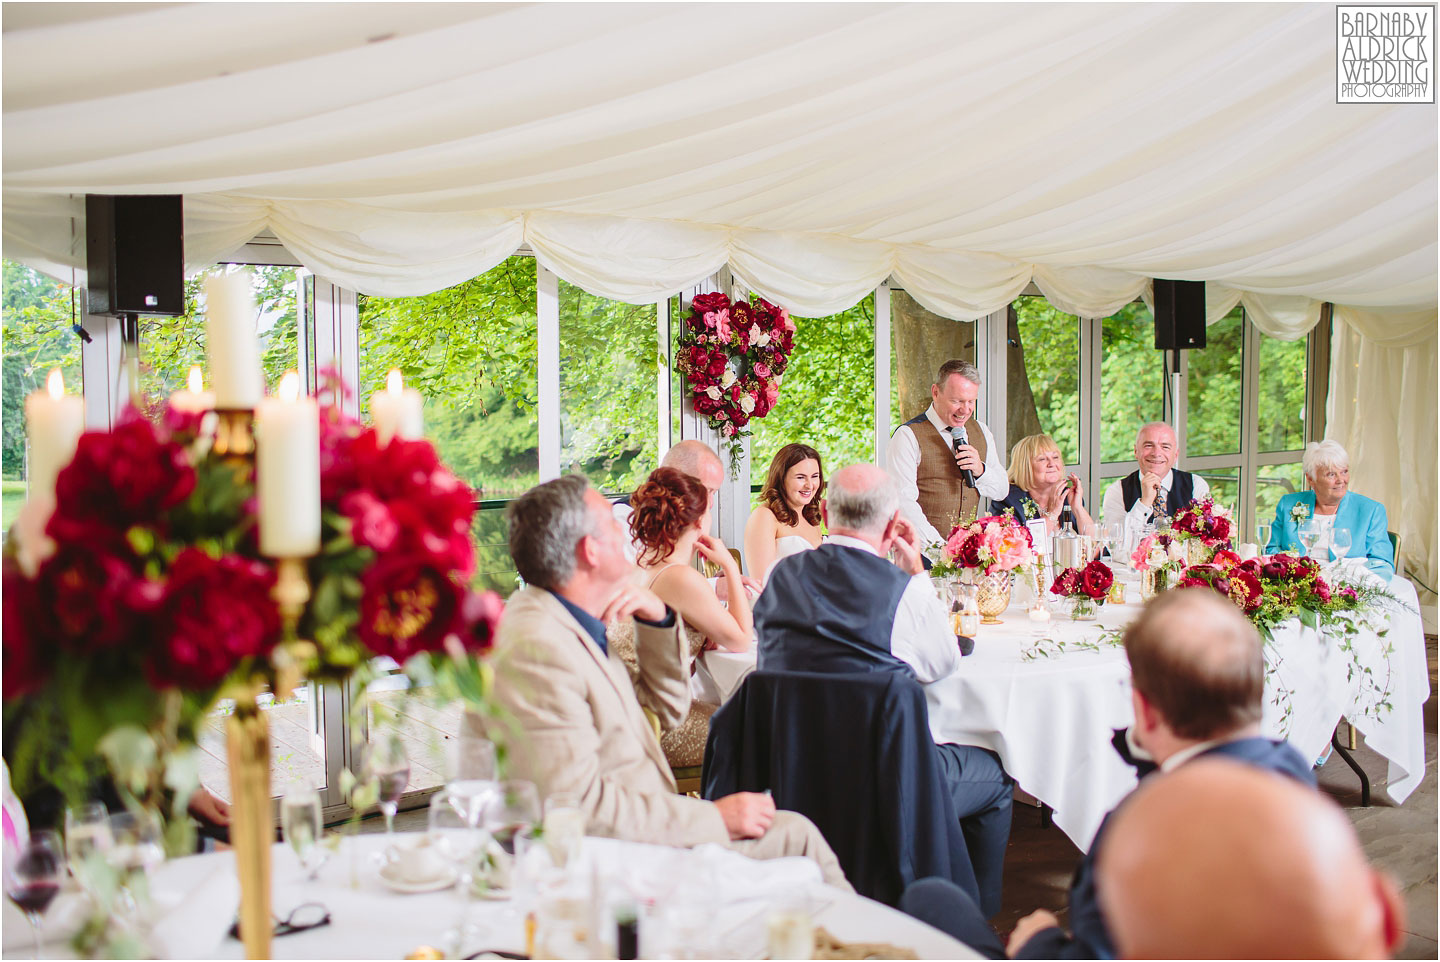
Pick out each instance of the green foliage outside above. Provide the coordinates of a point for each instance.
(826, 398)
(471, 352)
(37, 337)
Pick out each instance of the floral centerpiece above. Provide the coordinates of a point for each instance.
(1203, 528)
(734, 355)
(1277, 588)
(988, 551)
(140, 599)
(1088, 587)
(1157, 557)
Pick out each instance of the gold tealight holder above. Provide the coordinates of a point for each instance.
(234, 434)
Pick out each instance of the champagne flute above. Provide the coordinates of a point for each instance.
(564, 828)
(300, 824)
(387, 763)
(1262, 528)
(472, 776)
(32, 879)
(455, 836)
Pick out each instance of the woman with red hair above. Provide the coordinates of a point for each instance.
(669, 524)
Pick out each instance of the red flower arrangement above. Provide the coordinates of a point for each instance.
(1206, 521)
(1088, 586)
(1274, 589)
(990, 545)
(734, 355)
(143, 595)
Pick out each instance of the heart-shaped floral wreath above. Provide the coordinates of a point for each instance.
(734, 355)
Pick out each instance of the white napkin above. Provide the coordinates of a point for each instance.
(194, 927)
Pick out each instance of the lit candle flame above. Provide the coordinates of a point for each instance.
(394, 383)
(290, 386)
(196, 381)
(55, 384)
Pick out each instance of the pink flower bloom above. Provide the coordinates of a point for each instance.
(785, 321)
(722, 324)
(762, 370)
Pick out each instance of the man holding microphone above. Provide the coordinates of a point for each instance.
(944, 461)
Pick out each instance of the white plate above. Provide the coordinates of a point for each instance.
(397, 884)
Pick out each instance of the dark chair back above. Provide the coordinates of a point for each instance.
(854, 754)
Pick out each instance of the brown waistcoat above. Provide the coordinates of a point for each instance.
(944, 498)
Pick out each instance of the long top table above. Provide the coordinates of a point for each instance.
(1051, 718)
(722, 898)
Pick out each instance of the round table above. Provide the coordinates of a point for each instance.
(368, 920)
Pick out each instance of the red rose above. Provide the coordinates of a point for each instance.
(25, 662)
(1322, 590)
(1096, 580)
(716, 366)
(409, 605)
(214, 613)
(372, 524)
(120, 478)
(1066, 583)
(78, 598)
(702, 304)
(969, 553)
(1275, 568)
(1220, 529)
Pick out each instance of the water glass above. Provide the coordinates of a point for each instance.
(300, 824)
(564, 827)
(1340, 542)
(1262, 528)
(514, 808)
(387, 763)
(1308, 532)
(32, 878)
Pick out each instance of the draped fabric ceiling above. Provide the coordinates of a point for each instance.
(964, 150)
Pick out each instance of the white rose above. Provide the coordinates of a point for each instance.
(1157, 557)
(1177, 551)
(747, 403)
(728, 378)
(760, 341)
(714, 392)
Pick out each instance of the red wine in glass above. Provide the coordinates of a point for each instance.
(32, 879)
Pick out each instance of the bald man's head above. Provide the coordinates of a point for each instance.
(861, 500)
(697, 460)
(1223, 860)
(1198, 662)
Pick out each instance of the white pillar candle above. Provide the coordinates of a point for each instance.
(398, 411)
(231, 344)
(1249, 551)
(54, 422)
(194, 399)
(287, 471)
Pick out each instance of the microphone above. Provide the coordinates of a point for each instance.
(959, 436)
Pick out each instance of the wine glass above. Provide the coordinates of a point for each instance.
(300, 823)
(87, 837)
(1340, 541)
(1262, 528)
(1308, 532)
(453, 833)
(472, 776)
(514, 808)
(1111, 536)
(138, 848)
(387, 763)
(32, 878)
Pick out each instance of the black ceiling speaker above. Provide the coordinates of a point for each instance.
(1179, 314)
(135, 254)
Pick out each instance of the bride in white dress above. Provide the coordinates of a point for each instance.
(788, 518)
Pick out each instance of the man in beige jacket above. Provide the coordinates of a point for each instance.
(573, 720)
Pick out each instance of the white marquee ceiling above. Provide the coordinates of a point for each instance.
(967, 149)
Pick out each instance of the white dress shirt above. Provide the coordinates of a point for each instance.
(1113, 509)
(921, 636)
(903, 460)
(622, 513)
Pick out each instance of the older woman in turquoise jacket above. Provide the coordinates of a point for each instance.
(1329, 500)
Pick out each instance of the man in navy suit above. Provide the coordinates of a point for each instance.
(844, 608)
(1197, 687)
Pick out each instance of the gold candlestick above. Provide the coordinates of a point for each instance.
(235, 434)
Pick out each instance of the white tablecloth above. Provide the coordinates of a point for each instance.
(1051, 719)
(371, 922)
